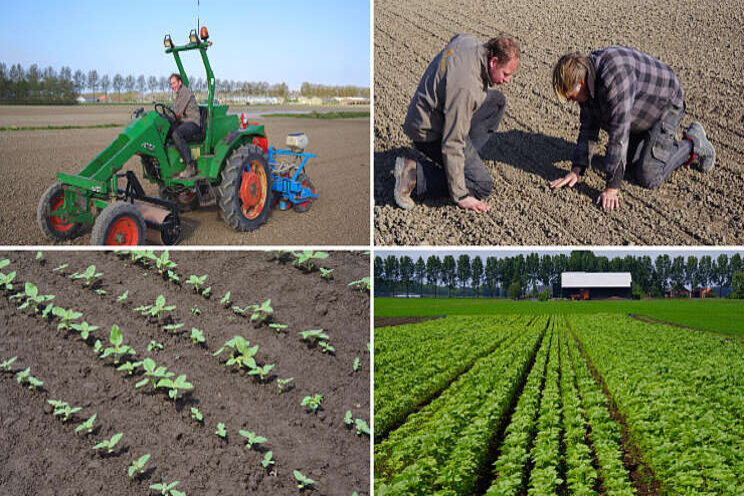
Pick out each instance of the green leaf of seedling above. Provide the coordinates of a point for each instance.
(154, 346)
(278, 327)
(281, 383)
(357, 364)
(361, 427)
(267, 459)
(197, 336)
(221, 431)
(84, 329)
(39, 256)
(251, 438)
(326, 273)
(195, 311)
(7, 363)
(87, 426)
(129, 367)
(172, 327)
(123, 297)
(116, 337)
(60, 267)
(101, 292)
(173, 277)
(138, 465)
(302, 481)
(225, 299)
(207, 292)
(4, 263)
(196, 414)
(347, 418)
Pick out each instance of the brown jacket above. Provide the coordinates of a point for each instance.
(186, 106)
(453, 87)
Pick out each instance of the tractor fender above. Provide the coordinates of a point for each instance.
(250, 135)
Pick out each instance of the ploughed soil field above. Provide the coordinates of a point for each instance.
(534, 145)
(42, 454)
(340, 173)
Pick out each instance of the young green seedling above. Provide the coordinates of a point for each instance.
(221, 431)
(263, 312)
(326, 273)
(251, 438)
(278, 255)
(207, 292)
(314, 334)
(97, 347)
(268, 459)
(40, 257)
(158, 309)
(173, 277)
(348, 420)
(226, 299)
(195, 311)
(196, 414)
(166, 489)
(197, 336)
(89, 275)
(60, 267)
(312, 402)
(63, 409)
(138, 465)
(47, 312)
(153, 373)
(6, 281)
(243, 311)
(326, 348)
(26, 377)
(304, 259)
(197, 281)
(163, 263)
(66, 317)
(362, 284)
(172, 327)
(118, 349)
(84, 329)
(123, 297)
(279, 328)
(7, 363)
(87, 426)
(129, 367)
(361, 427)
(101, 292)
(302, 481)
(242, 354)
(357, 364)
(281, 383)
(261, 372)
(176, 386)
(32, 296)
(4, 263)
(109, 443)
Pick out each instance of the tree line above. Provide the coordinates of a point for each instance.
(517, 275)
(35, 85)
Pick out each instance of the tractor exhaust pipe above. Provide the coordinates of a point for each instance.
(161, 224)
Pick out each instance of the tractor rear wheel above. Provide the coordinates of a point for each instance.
(305, 205)
(245, 191)
(119, 224)
(52, 227)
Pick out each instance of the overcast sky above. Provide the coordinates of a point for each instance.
(323, 41)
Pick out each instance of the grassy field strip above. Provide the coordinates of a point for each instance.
(678, 398)
(415, 362)
(510, 468)
(441, 448)
(605, 433)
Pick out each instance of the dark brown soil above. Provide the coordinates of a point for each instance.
(41, 455)
(537, 135)
(396, 321)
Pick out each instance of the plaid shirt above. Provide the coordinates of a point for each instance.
(628, 92)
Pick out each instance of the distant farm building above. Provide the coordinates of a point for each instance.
(595, 285)
(351, 100)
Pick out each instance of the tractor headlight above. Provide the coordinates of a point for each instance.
(167, 41)
(193, 38)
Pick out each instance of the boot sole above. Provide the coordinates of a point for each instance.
(398, 173)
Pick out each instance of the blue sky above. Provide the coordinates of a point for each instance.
(324, 41)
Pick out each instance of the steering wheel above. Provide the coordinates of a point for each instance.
(167, 112)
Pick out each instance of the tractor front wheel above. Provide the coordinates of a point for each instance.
(51, 225)
(119, 224)
(245, 191)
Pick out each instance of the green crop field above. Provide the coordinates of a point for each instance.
(529, 405)
(712, 314)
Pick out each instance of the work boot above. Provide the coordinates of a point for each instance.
(188, 172)
(405, 182)
(701, 147)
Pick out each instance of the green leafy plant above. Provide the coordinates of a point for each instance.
(348, 420)
(4, 263)
(47, 312)
(279, 255)
(87, 426)
(109, 444)
(242, 311)
(241, 355)
(362, 284)
(7, 363)
(25, 376)
(32, 297)
(89, 275)
(302, 481)
(312, 402)
(262, 312)
(195, 311)
(40, 257)
(314, 335)
(361, 427)
(6, 281)
(172, 327)
(197, 281)
(97, 347)
(138, 465)
(153, 373)
(304, 259)
(226, 299)
(197, 336)
(281, 384)
(84, 329)
(123, 297)
(173, 277)
(251, 438)
(221, 431)
(261, 372)
(326, 348)
(157, 310)
(118, 348)
(207, 292)
(63, 409)
(154, 346)
(268, 459)
(163, 263)
(60, 267)
(101, 292)
(166, 489)
(357, 364)
(196, 414)
(326, 273)
(129, 367)
(66, 317)
(279, 328)
(176, 386)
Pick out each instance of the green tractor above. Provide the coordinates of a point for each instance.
(232, 165)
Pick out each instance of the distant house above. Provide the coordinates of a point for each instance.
(91, 99)
(595, 285)
(351, 100)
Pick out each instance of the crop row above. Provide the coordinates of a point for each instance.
(680, 393)
(415, 362)
(442, 448)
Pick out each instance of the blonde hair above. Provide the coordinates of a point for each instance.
(568, 72)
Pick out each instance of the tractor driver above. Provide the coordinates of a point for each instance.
(187, 126)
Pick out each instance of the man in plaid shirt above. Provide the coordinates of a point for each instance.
(639, 101)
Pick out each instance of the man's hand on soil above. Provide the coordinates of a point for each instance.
(608, 199)
(569, 180)
(472, 203)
